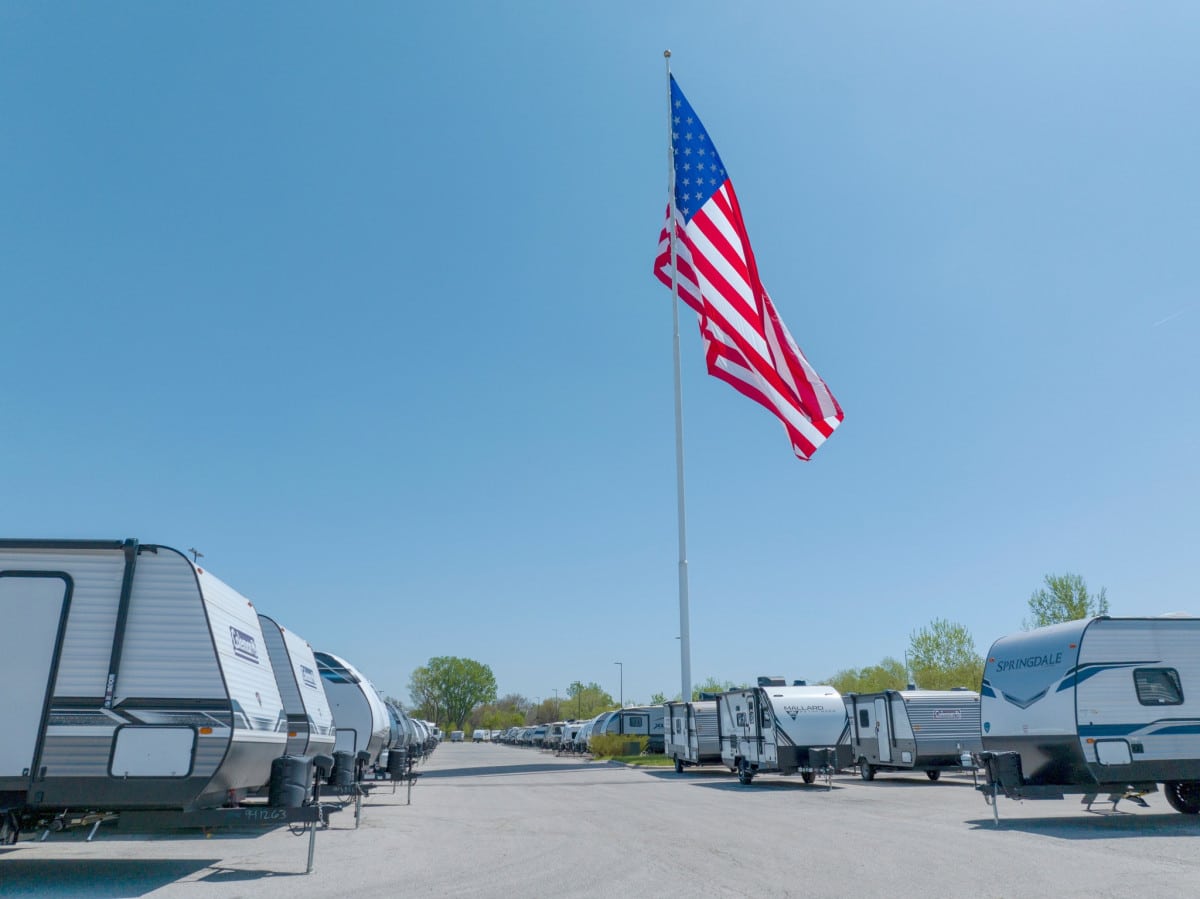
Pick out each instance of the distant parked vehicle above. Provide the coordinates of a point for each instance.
(642, 721)
(692, 736)
(781, 729)
(481, 735)
(913, 730)
(456, 736)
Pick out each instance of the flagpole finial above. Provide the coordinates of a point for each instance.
(667, 54)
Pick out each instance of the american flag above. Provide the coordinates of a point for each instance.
(746, 343)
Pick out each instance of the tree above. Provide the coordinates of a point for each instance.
(943, 656)
(1064, 598)
(712, 685)
(453, 686)
(586, 701)
(507, 711)
(658, 698)
(889, 674)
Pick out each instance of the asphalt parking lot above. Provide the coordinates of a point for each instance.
(488, 820)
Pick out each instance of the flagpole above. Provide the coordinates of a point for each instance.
(685, 636)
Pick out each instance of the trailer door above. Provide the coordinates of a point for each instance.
(769, 735)
(38, 601)
(881, 730)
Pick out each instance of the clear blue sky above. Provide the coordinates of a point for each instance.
(357, 299)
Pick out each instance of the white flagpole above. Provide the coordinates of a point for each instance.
(685, 636)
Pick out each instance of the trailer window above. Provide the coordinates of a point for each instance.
(636, 721)
(864, 718)
(1158, 686)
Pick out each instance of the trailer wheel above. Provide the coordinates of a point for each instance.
(678, 765)
(745, 775)
(933, 775)
(865, 771)
(809, 776)
(1183, 796)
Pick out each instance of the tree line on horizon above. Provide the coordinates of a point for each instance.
(458, 694)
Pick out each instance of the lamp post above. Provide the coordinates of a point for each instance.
(621, 666)
(556, 703)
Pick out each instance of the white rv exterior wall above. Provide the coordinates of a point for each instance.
(1107, 702)
(87, 644)
(168, 651)
(247, 670)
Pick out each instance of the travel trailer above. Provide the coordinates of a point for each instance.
(912, 730)
(639, 721)
(1096, 706)
(781, 729)
(139, 684)
(309, 717)
(361, 721)
(691, 733)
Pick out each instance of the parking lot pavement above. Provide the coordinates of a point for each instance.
(488, 820)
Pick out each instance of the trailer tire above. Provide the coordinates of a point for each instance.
(678, 765)
(809, 776)
(865, 771)
(1183, 796)
(933, 775)
(745, 775)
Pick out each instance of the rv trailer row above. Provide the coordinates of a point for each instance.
(152, 693)
(1101, 707)
(573, 736)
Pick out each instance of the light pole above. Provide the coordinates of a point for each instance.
(556, 703)
(621, 665)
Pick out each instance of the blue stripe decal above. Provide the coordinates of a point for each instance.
(1176, 729)
(1078, 675)
(1159, 727)
(1109, 730)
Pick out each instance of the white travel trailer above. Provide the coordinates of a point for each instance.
(309, 717)
(139, 684)
(774, 728)
(361, 721)
(691, 733)
(912, 730)
(639, 721)
(1101, 705)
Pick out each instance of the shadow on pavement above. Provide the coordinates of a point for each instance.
(93, 878)
(231, 875)
(493, 770)
(901, 782)
(1099, 824)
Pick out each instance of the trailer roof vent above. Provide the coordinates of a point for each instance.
(799, 683)
(764, 681)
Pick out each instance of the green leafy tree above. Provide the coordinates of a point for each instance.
(943, 656)
(507, 711)
(712, 685)
(889, 674)
(1064, 598)
(453, 687)
(658, 698)
(425, 701)
(586, 701)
